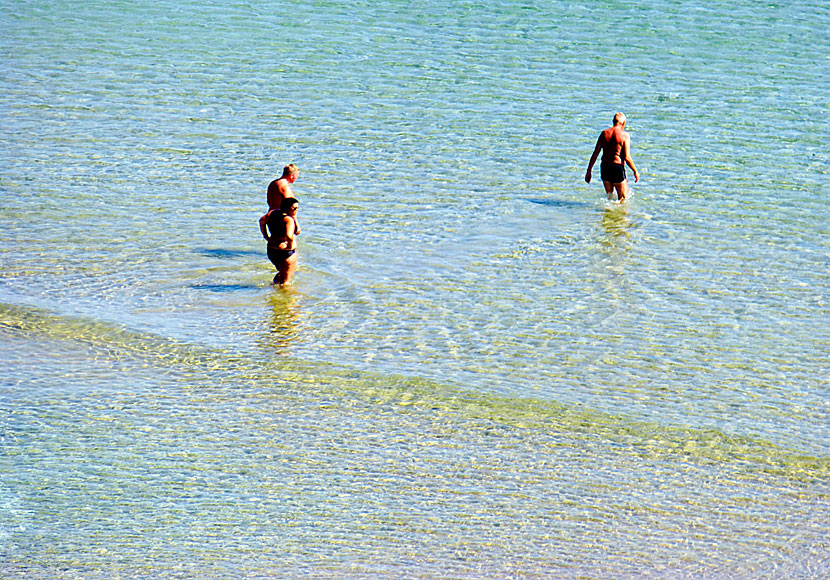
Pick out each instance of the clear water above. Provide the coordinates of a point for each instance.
(484, 369)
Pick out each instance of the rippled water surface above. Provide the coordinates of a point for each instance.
(484, 368)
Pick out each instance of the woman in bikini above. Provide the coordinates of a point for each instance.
(279, 228)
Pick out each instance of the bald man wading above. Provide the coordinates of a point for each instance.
(615, 145)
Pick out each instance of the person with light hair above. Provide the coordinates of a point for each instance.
(615, 145)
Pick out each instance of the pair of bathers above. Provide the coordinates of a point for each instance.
(278, 256)
(613, 172)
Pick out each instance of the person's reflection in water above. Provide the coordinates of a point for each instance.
(282, 322)
(617, 225)
(614, 257)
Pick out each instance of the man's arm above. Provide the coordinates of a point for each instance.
(286, 192)
(628, 160)
(285, 188)
(593, 160)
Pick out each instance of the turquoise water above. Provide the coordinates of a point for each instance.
(484, 369)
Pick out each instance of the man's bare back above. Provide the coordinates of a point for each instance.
(280, 188)
(614, 140)
(615, 145)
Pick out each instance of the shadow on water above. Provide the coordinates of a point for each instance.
(224, 253)
(225, 287)
(558, 202)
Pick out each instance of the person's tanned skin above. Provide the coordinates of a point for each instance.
(615, 145)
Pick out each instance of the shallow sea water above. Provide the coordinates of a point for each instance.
(484, 368)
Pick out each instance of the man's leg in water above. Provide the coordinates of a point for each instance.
(609, 189)
(621, 188)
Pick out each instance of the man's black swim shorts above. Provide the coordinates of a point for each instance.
(613, 172)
